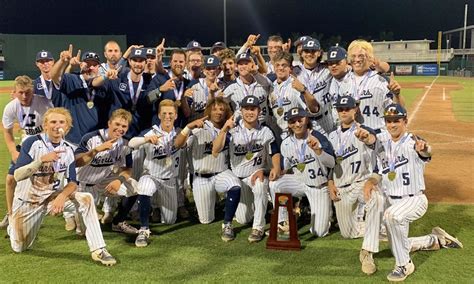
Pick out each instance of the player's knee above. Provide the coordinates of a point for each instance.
(10, 181)
(391, 218)
(85, 199)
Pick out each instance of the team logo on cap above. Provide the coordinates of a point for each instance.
(344, 100)
(243, 55)
(138, 52)
(195, 44)
(294, 111)
(210, 60)
(149, 51)
(250, 100)
(310, 43)
(44, 54)
(333, 54)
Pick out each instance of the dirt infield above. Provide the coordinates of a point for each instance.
(449, 176)
(5, 90)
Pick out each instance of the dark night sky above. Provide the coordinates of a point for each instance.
(181, 20)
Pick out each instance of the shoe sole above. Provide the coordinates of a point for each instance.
(125, 232)
(439, 231)
(141, 245)
(110, 263)
(227, 240)
(369, 270)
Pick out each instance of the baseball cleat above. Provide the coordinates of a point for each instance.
(70, 223)
(227, 234)
(400, 273)
(142, 238)
(104, 257)
(4, 222)
(367, 260)
(124, 227)
(445, 239)
(255, 236)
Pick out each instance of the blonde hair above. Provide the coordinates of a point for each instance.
(24, 82)
(58, 110)
(360, 44)
(121, 113)
(167, 102)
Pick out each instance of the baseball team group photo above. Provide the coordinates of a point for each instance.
(273, 156)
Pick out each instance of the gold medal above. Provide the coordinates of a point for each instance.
(168, 161)
(178, 103)
(339, 159)
(55, 176)
(300, 166)
(391, 175)
(90, 104)
(249, 155)
(280, 111)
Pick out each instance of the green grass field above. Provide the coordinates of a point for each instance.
(191, 252)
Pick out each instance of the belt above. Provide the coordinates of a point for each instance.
(205, 175)
(319, 186)
(404, 196)
(349, 184)
(86, 184)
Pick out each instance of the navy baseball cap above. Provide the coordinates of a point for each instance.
(193, 45)
(44, 55)
(395, 111)
(250, 101)
(311, 44)
(336, 53)
(302, 39)
(149, 51)
(243, 56)
(138, 53)
(218, 45)
(90, 56)
(212, 61)
(345, 102)
(295, 112)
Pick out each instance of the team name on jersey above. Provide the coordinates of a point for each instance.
(285, 102)
(307, 159)
(49, 168)
(102, 161)
(208, 147)
(349, 151)
(399, 161)
(319, 86)
(243, 149)
(33, 131)
(366, 94)
(199, 106)
(159, 152)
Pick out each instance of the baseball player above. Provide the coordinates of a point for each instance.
(355, 158)
(217, 48)
(159, 170)
(307, 157)
(43, 85)
(227, 59)
(104, 166)
(211, 174)
(113, 56)
(288, 92)
(45, 160)
(194, 65)
(250, 144)
(299, 46)
(315, 76)
(27, 110)
(400, 168)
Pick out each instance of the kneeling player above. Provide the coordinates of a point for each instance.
(44, 161)
(401, 164)
(308, 154)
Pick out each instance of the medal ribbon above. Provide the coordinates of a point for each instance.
(51, 148)
(177, 94)
(47, 92)
(132, 90)
(391, 153)
(280, 91)
(90, 97)
(342, 142)
(355, 87)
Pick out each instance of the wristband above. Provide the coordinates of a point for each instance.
(304, 90)
(122, 179)
(185, 131)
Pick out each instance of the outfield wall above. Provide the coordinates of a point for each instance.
(19, 50)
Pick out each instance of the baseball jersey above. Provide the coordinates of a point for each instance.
(358, 158)
(48, 179)
(296, 152)
(249, 148)
(104, 163)
(236, 92)
(282, 98)
(131, 96)
(105, 66)
(161, 160)
(46, 88)
(200, 98)
(400, 157)
(340, 87)
(317, 81)
(30, 118)
(200, 144)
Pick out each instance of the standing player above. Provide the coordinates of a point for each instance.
(211, 174)
(113, 56)
(160, 170)
(45, 160)
(355, 158)
(307, 160)
(227, 59)
(43, 85)
(250, 144)
(402, 159)
(104, 164)
(28, 110)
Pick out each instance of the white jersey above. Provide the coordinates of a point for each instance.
(105, 162)
(249, 149)
(282, 98)
(340, 87)
(200, 98)
(317, 81)
(400, 157)
(237, 91)
(48, 179)
(200, 144)
(162, 159)
(30, 117)
(296, 153)
(270, 67)
(358, 158)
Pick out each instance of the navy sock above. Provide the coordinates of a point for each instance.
(124, 208)
(231, 203)
(144, 202)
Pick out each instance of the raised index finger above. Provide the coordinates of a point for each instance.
(78, 56)
(204, 117)
(70, 48)
(392, 77)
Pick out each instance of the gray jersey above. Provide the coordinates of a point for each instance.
(200, 144)
(249, 149)
(162, 159)
(400, 157)
(358, 158)
(237, 91)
